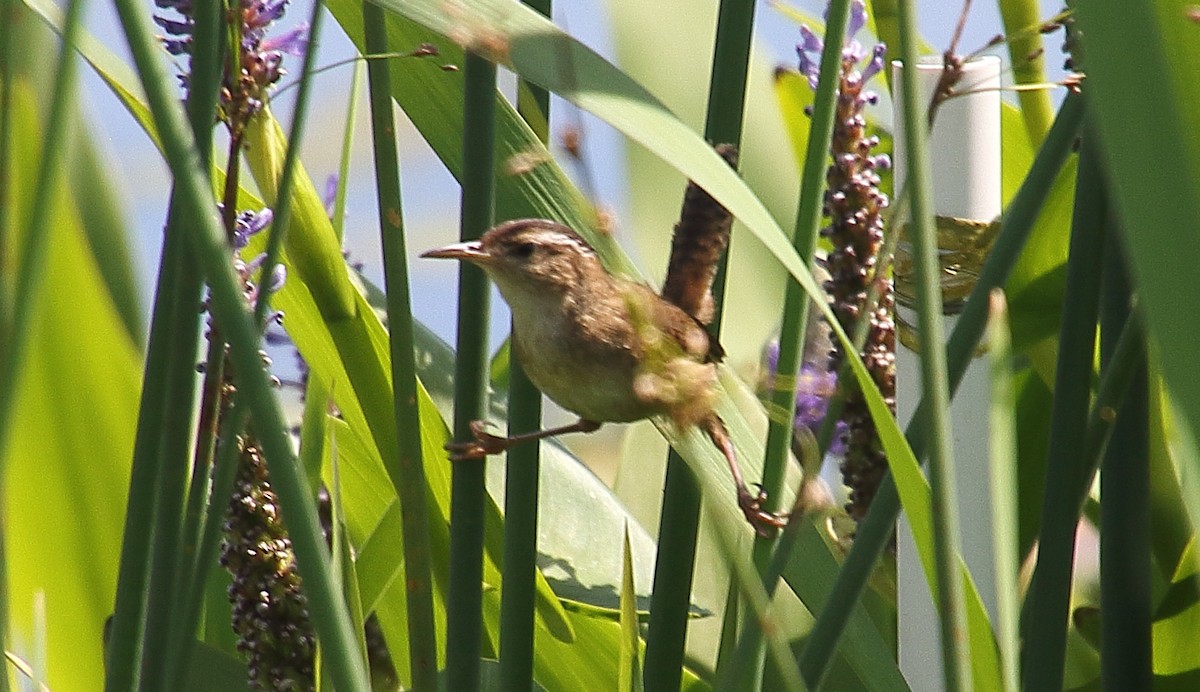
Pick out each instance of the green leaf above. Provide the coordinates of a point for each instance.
(76, 403)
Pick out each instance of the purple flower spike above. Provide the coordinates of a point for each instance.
(294, 42)
(854, 204)
(810, 48)
(258, 63)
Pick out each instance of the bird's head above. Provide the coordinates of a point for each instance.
(529, 255)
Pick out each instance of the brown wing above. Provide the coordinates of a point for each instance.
(700, 239)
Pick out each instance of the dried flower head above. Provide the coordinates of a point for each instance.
(270, 611)
(853, 204)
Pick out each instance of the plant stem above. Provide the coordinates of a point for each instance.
(675, 557)
(464, 623)
(408, 471)
(1050, 589)
(674, 565)
(1003, 451)
(956, 659)
(1025, 54)
(168, 607)
(1125, 629)
(521, 489)
(727, 103)
(795, 318)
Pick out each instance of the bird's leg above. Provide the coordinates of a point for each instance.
(486, 443)
(765, 523)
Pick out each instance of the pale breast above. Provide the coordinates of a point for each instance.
(589, 373)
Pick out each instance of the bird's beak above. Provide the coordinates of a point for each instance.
(469, 250)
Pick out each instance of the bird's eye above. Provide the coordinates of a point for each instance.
(523, 250)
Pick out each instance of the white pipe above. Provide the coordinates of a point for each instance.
(964, 150)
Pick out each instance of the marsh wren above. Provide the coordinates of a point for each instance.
(604, 347)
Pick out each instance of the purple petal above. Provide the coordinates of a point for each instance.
(858, 18)
(853, 51)
(330, 196)
(174, 27)
(876, 65)
(180, 46)
(257, 14)
(838, 445)
(293, 42)
(810, 42)
(254, 264)
(248, 223)
(278, 277)
(772, 358)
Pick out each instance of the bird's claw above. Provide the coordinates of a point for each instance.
(765, 523)
(484, 444)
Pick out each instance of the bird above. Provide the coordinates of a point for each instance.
(607, 348)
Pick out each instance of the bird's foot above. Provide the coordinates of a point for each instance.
(484, 444)
(765, 523)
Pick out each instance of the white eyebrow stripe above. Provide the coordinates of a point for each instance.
(573, 242)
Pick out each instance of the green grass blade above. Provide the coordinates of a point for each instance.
(343, 177)
(7, 195)
(671, 598)
(104, 220)
(521, 505)
(679, 523)
(1003, 466)
(408, 475)
(172, 587)
(727, 102)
